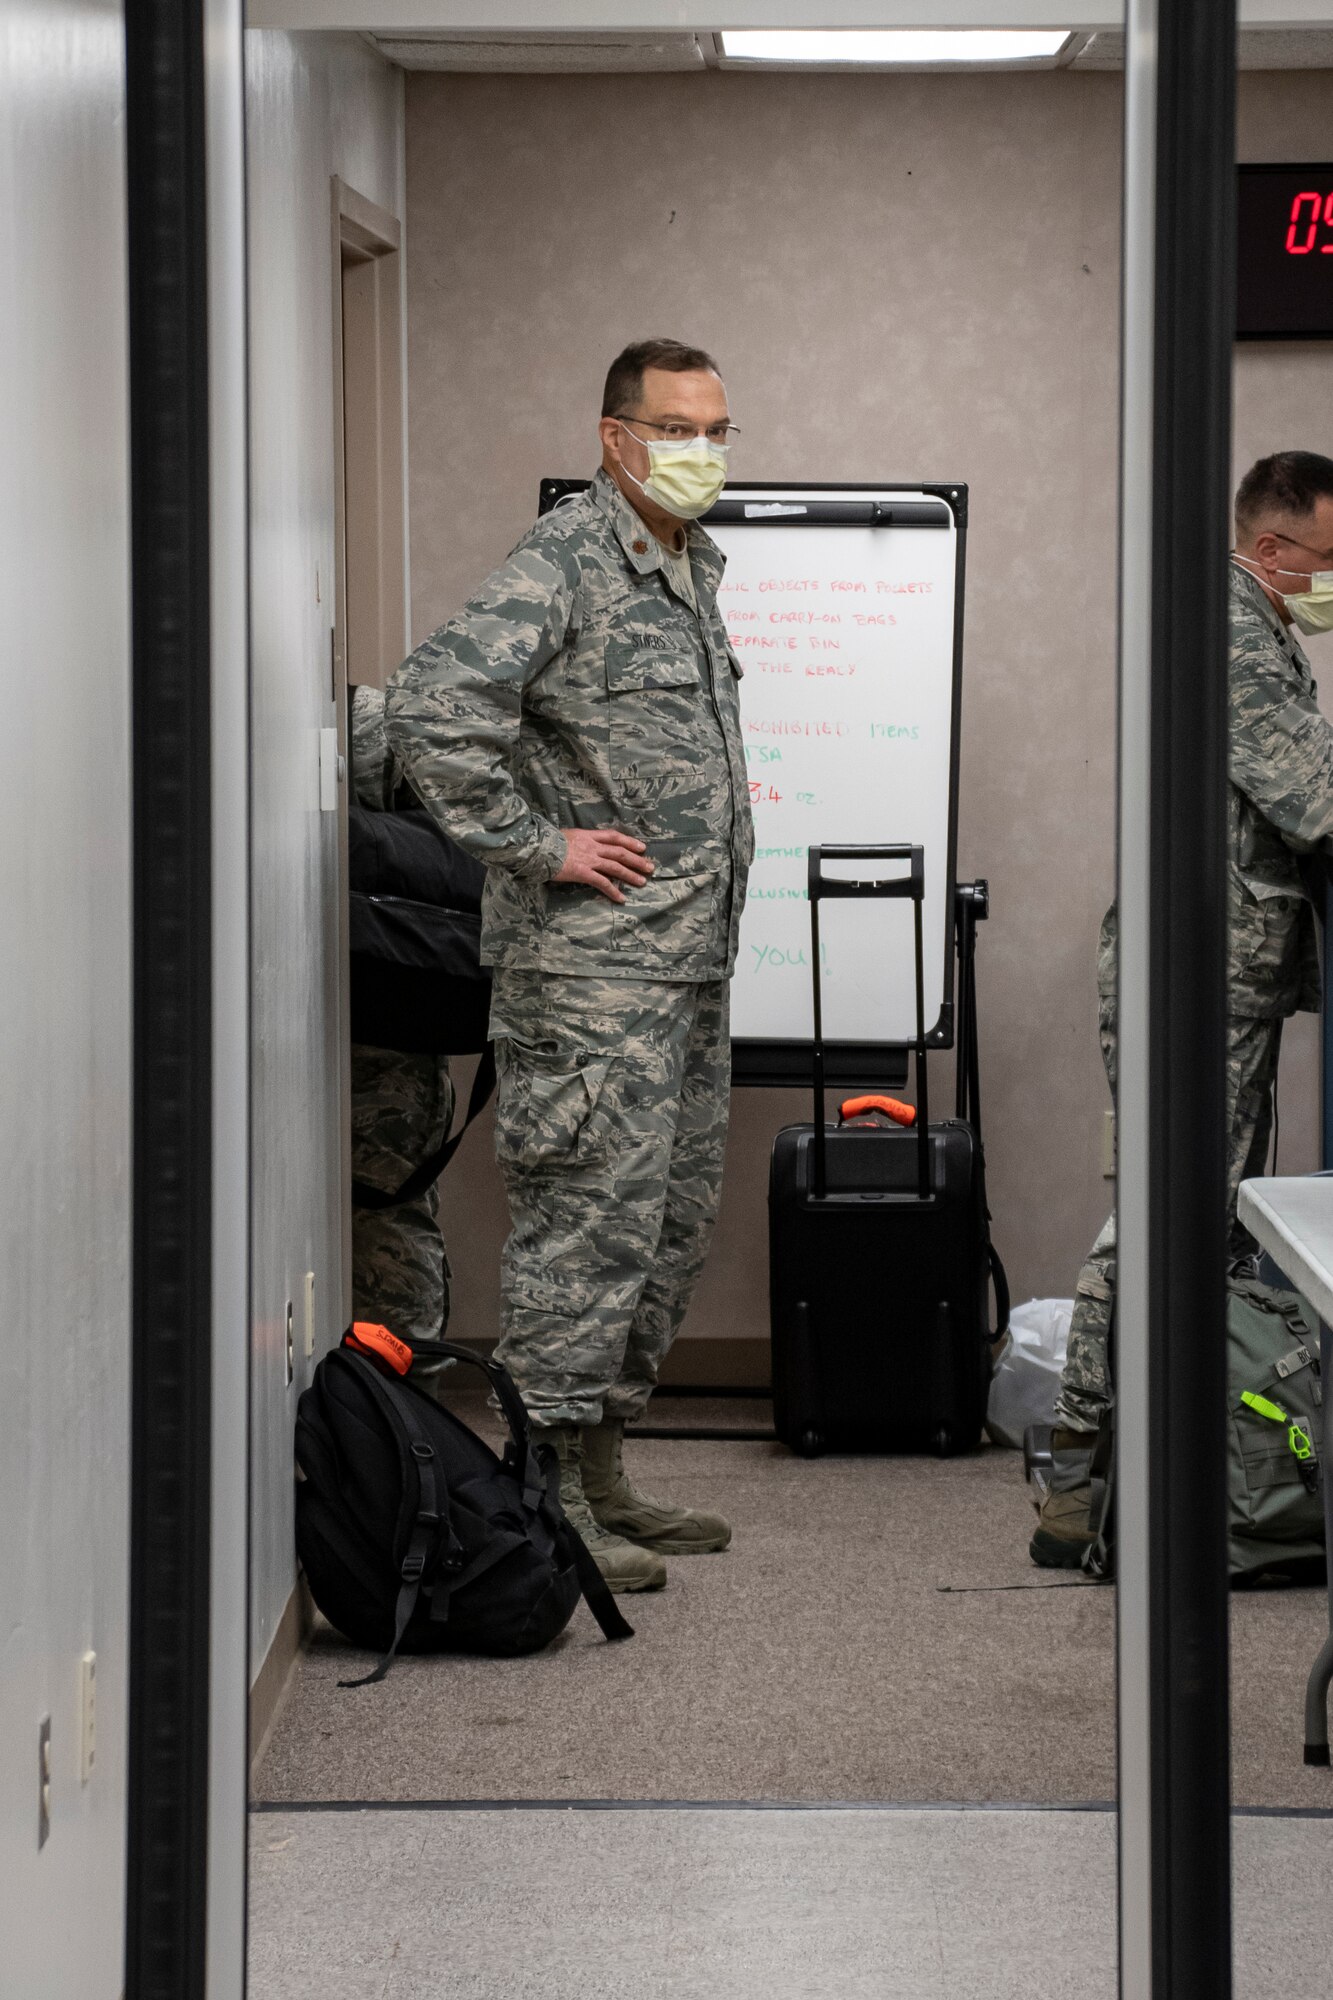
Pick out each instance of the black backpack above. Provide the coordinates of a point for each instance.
(413, 1535)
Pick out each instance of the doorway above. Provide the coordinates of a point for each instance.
(370, 618)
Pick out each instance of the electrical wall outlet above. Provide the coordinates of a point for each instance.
(44, 1781)
(291, 1345)
(309, 1315)
(87, 1716)
(1108, 1145)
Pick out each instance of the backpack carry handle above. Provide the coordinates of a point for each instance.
(377, 1341)
(913, 885)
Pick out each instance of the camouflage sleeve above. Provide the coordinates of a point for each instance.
(1280, 747)
(454, 706)
(375, 771)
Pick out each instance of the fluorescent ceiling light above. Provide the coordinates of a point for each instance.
(893, 45)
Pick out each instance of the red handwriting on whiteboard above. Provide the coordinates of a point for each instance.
(848, 583)
(903, 589)
(821, 669)
(873, 618)
(762, 794)
(790, 583)
(775, 726)
(767, 642)
(803, 617)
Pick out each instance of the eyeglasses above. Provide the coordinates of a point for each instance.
(1325, 555)
(677, 433)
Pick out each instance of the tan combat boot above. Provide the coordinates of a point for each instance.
(1065, 1533)
(622, 1509)
(623, 1566)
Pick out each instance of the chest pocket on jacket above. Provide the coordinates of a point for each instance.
(635, 669)
(657, 714)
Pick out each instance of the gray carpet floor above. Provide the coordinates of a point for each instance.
(875, 1632)
(783, 1905)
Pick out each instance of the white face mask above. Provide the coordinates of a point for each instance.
(1312, 608)
(684, 478)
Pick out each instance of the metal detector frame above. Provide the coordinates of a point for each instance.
(186, 1925)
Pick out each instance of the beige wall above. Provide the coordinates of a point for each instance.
(902, 277)
(316, 105)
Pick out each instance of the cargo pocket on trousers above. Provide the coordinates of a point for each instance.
(548, 1265)
(552, 1110)
(1263, 940)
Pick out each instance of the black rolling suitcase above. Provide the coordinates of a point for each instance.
(880, 1259)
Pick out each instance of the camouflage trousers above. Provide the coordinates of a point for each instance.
(402, 1106)
(1251, 1074)
(611, 1121)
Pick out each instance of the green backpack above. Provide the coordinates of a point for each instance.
(1273, 1392)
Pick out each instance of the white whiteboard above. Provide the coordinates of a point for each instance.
(846, 638)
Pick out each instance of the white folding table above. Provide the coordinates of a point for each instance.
(1291, 1217)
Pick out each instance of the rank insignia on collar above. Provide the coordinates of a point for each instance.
(639, 548)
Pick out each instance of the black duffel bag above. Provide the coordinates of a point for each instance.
(413, 1535)
(414, 946)
(414, 936)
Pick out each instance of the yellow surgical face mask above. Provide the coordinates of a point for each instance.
(1312, 608)
(684, 479)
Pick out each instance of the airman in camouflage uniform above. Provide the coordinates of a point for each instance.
(402, 1106)
(1279, 808)
(585, 703)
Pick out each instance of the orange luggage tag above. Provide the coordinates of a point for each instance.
(367, 1338)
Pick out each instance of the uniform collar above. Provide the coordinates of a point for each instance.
(643, 552)
(1250, 591)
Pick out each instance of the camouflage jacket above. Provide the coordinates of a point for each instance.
(376, 773)
(1279, 808)
(579, 688)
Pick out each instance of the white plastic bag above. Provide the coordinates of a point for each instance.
(1027, 1375)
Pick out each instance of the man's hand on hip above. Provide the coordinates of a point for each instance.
(601, 858)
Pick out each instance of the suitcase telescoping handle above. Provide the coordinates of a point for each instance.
(913, 886)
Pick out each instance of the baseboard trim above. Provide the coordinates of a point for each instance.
(702, 1361)
(711, 1362)
(274, 1677)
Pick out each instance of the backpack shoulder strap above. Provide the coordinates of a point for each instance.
(593, 1584)
(540, 1472)
(426, 1175)
(431, 1523)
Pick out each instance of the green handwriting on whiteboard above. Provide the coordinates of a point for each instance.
(777, 958)
(888, 732)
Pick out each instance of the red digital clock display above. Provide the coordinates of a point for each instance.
(1311, 222)
(1284, 288)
